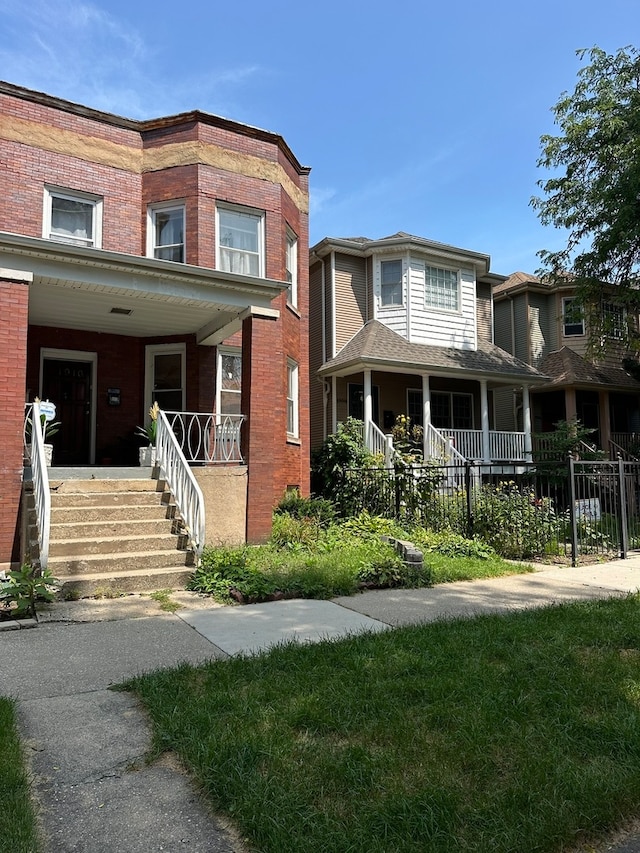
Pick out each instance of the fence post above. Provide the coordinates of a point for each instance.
(573, 511)
(622, 509)
(467, 488)
(396, 482)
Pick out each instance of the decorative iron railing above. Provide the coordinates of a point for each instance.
(207, 438)
(175, 470)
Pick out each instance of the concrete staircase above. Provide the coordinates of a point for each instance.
(111, 536)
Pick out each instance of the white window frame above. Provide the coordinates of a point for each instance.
(293, 401)
(253, 213)
(615, 319)
(434, 304)
(451, 394)
(566, 301)
(163, 207)
(291, 265)
(151, 350)
(96, 201)
(383, 302)
(222, 351)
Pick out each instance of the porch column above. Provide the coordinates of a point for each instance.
(334, 404)
(14, 304)
(570, 406)
(526, 423)
(264, 405)
(605, 420)
(368, 405)
(484, 409)
(426, 416)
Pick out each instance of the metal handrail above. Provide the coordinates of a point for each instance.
(175, 470)
(207, 438)
(41, 492)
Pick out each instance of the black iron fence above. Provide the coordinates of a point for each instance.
(525, 510)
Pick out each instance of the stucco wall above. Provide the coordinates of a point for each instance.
(225, 499)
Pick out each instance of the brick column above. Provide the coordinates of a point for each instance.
(264, 406)
(14, 303)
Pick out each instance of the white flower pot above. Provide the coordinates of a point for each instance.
(147, 456)
(48, 454)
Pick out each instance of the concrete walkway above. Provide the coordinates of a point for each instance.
(87, 744)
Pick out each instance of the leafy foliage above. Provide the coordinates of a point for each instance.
(594, 190)
(342, 450)
(26, 586)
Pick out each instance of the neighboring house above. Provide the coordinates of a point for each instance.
(165, 260)
(404, 326)
(539, 323)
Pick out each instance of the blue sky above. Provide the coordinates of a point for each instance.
(413, 116)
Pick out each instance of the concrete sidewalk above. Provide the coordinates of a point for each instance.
(88, 744)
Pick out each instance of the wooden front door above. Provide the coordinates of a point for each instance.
(68, 385)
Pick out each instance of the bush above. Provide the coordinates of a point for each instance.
(339, 451)
(321, 510)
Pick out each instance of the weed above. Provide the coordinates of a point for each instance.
(163, 597)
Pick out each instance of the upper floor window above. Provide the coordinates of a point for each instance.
(291, 263)
(441, 288)
(165, 232)
(240, 240)
(72, 217)
(614, 320)
(390, 283)
(572, 318)
(292, 398)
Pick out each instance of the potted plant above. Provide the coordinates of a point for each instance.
(147, 454)
(49, 429)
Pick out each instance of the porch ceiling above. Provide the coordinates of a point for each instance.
(78, 288)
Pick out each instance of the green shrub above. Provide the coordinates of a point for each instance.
(321, 510)
(342, 450)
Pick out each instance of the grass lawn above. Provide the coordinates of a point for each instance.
(18, 832)
(516, 733)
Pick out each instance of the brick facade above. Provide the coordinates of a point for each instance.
(200, 161)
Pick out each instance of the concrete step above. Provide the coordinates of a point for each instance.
(94, 485)
(120, 545)
(71, 499)
(95, 529)
(112, 564)
(89, 585)
(60, 515)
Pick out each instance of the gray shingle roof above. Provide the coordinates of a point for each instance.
(378, 347)
(566, 367)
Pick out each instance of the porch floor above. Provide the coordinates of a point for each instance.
(93, 472)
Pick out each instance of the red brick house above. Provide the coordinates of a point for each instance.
(164, 259)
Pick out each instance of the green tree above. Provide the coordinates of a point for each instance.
(594, 190)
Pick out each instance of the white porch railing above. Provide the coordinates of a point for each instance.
(507, 446)
(468, 442)
(439, 446)
(40, 479)
(206, 437)
(175, 470)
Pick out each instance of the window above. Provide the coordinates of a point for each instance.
(614, 320)
(165, 232)
(355, 402)
(240, 246)
(292, 267)
(572, 318)
(292, 398)
(229, 385)
(441, 288)
(390, 283)
(451, 411)
(72, 217)
(165, 377)
(414, 406)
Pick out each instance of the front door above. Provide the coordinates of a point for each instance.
(68, 385)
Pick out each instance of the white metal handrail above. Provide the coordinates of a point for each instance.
(175, 470)
(206, 437)
(41, 493)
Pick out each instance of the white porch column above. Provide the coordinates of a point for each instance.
(334, 404)
(484, 409)
(426, 415)
(368, 406)
(526, 423)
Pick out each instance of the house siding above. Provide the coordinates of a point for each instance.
(503, 331)
(539, 332)
(484, 311)
(521, 325)
(443, 328)
(350, 297)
